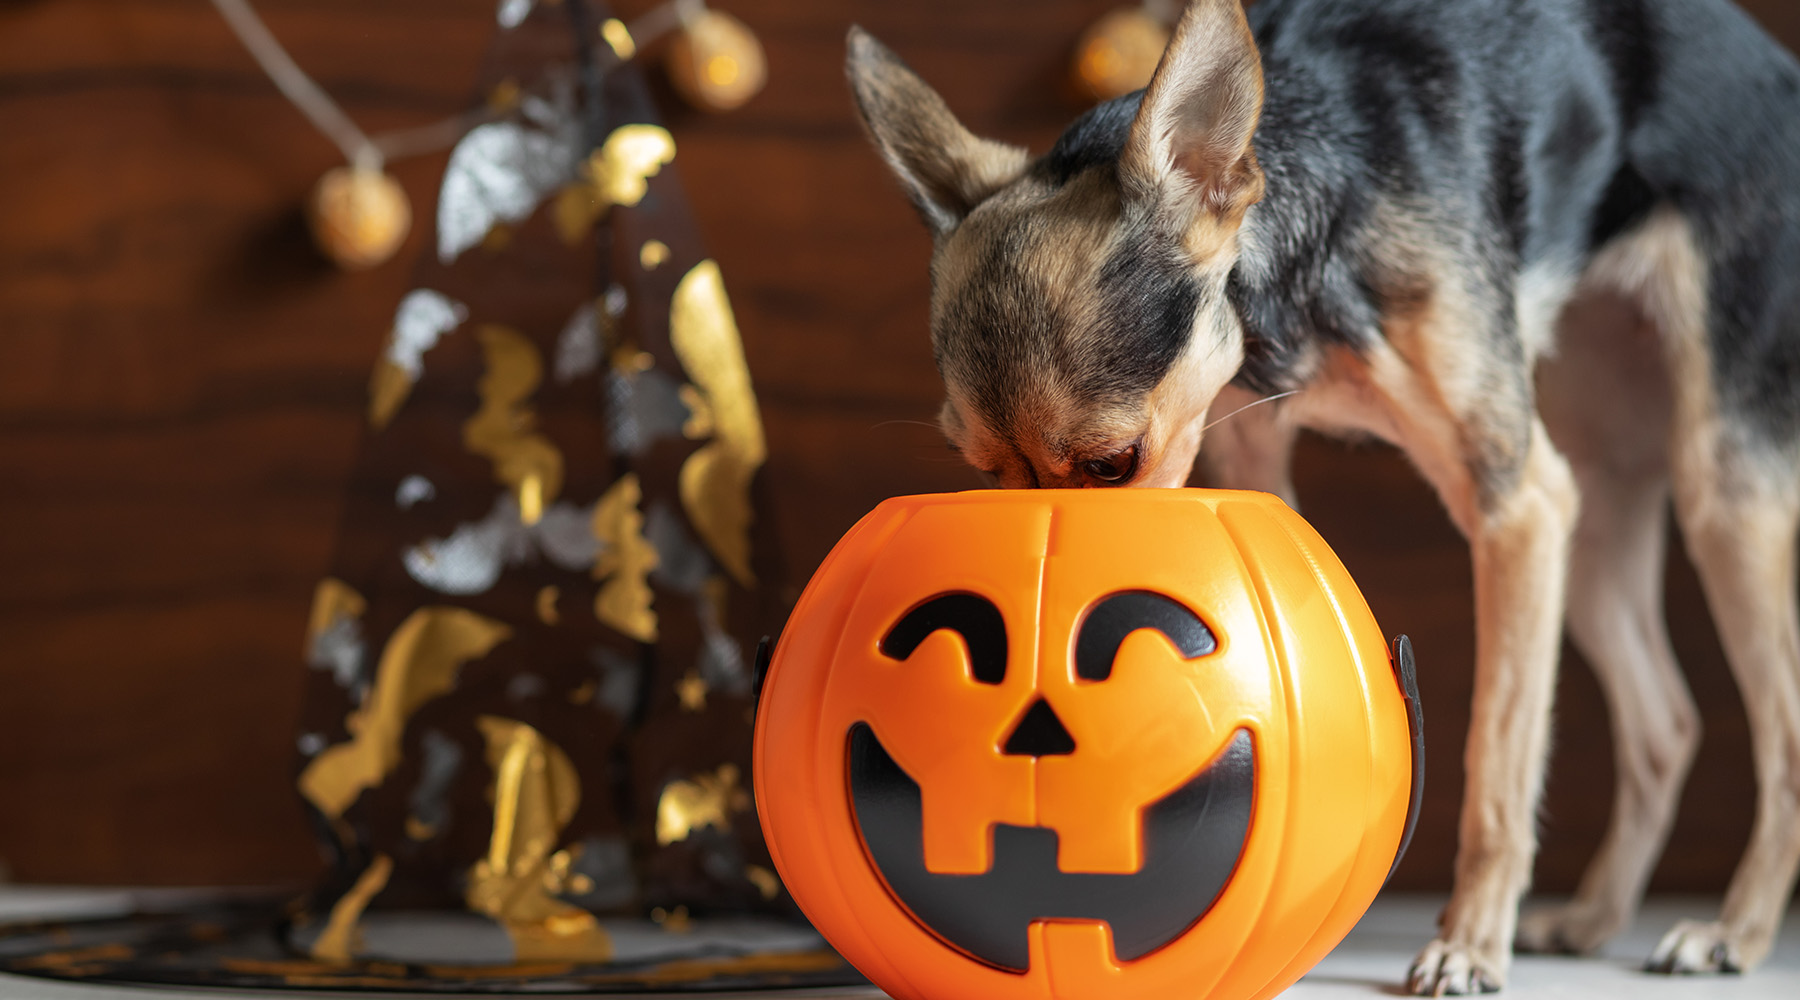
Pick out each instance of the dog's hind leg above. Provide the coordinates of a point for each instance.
(1739, 515)
(1739, 505)
(1605, 398)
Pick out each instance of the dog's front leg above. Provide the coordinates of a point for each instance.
(1519, 538)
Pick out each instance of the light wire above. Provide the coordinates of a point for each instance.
(363, 152)
(297, 87)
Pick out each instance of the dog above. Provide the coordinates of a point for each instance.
(1547, 248)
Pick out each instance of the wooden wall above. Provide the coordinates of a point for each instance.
(181, 385)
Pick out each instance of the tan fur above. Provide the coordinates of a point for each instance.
(1177, 408)
(1439, 329)
(1212, 239)
(1420, 389)
(1080, 219)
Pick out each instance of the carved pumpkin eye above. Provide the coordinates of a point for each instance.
(971, 616)
(1118, 467)
(1117, 616)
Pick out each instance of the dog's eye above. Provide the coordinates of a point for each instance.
(1114, 468)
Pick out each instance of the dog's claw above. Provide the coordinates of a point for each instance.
(1693, 947)
(1444, 969)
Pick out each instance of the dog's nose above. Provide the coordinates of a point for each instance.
(1039, 733)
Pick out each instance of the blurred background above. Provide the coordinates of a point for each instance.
(183, 380)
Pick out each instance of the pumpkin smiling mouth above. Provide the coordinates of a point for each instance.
(1192, 840)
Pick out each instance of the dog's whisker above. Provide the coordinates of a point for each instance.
(914, 423)
(1246, 406)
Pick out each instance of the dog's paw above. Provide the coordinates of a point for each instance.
(1696, 947)
(1572, 929)
(1445, 969)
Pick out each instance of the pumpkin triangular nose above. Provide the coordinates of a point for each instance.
(1039, 734)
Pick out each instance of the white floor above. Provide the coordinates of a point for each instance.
(1370, 963)
(1373, 960)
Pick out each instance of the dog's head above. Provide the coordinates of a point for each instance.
(1078, 311)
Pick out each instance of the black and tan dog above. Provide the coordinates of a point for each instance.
(1385, 207)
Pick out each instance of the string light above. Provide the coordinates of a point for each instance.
(1118, 53)
(715, 62)
(359, 214)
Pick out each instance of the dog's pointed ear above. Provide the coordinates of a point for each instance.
(947, 170)
(1191, 140)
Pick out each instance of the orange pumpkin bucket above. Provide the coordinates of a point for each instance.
(1080, 744)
